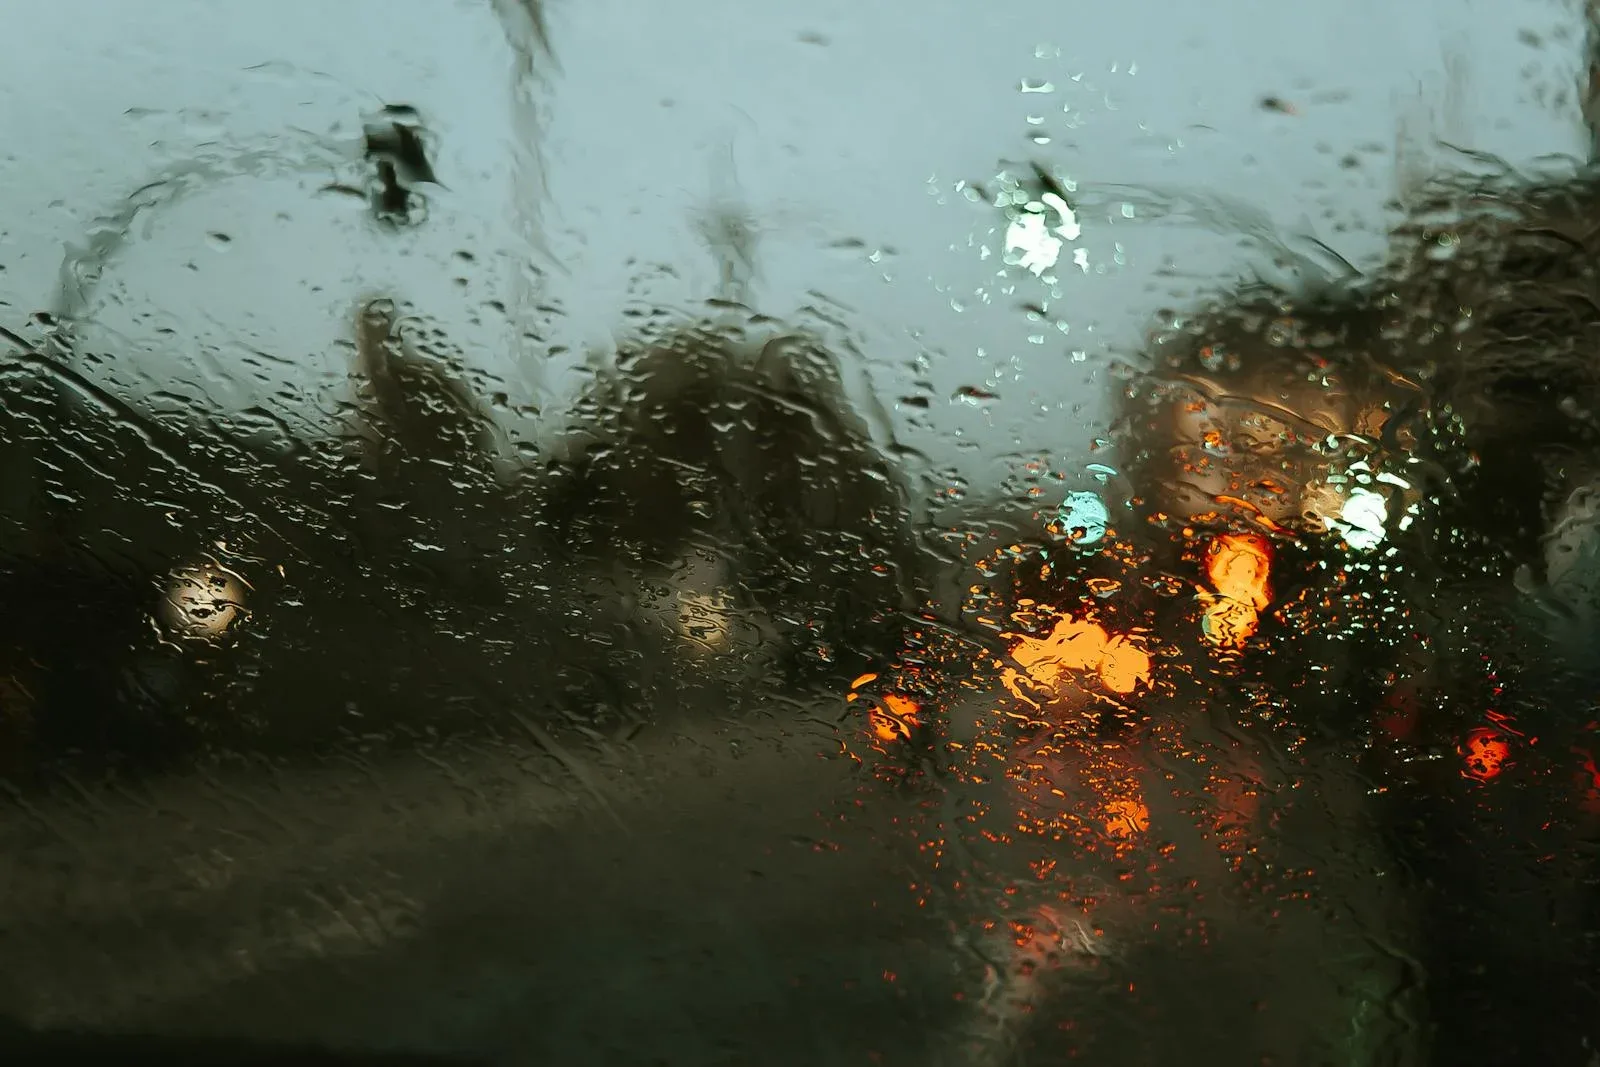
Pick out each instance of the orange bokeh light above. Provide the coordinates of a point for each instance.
(1126, 818)
(1076, 646)
(1228, 623)
(1486, 753)
(895, 718)
(1240, 568)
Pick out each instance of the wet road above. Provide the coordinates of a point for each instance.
(711, 897)
(729, 893)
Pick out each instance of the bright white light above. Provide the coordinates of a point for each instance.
(1084, 517)
(1363, 520)
(1038, 241)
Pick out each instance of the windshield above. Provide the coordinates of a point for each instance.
(783, 534)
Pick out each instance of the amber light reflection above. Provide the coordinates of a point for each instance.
(1069, 650)
(1075, 646)
(891, 719)
(1061, 654)
(1239, 567)
(895, 718)
(1071, 786)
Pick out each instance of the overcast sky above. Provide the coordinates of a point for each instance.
(842, 128)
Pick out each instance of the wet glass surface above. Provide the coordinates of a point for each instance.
(796, 534)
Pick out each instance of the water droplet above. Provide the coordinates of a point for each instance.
(202, 602)
(1082, 518)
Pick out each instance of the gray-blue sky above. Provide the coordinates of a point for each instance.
(827, 121)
